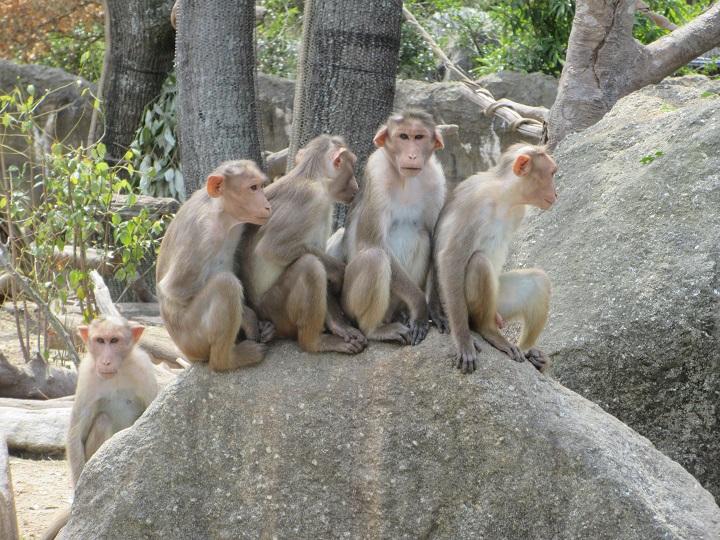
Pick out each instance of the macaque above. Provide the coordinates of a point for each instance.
(471, 245)
(388, 238)
(290, 279)
(116, 383)
(201, 300)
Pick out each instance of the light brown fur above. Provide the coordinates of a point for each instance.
(116, 383)
(201, 300)
(291, 280)
(388, 238)
(472, 241)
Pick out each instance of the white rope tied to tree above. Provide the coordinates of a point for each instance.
(505, 109)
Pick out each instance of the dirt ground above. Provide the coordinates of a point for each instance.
(42, 487)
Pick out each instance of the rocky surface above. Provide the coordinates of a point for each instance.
(633, 250)
(536, 89)
(393, 443)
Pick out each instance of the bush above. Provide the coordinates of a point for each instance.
(57, 217)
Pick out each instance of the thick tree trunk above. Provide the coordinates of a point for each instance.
(604, 62)
(216, 86)
(138, 57)
(346, 71)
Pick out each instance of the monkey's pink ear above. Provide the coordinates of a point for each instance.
(337, 158)
(84, 333)
(137, 331)
(215, 185)
(439, 142)
(380, 137)
(521, 167)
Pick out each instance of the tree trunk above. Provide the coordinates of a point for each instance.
(138, 57)
(604, 62)
(346, 72)
(216, 86)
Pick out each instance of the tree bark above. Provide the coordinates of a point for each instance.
(216, 86)
(346, 72)
(138, 57)
(604, 62)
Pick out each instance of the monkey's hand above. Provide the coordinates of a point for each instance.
(418, 330)
(499, 321)
(266, 329)
(437, 314)
(466, 358)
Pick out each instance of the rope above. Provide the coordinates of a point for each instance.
(528, 127)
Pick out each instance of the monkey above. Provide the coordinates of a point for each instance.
(116, 383)
(290, 279)
(387, 242)
(201, 300)
(472, 240)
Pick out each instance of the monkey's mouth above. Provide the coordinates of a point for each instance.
(107, 374)
(412, 169)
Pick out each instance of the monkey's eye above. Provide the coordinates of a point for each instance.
(404, 136)
(418, 137)
(113, 340)
(100, 340)
(254, 187)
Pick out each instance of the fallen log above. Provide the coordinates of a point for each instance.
(36, 379)
(8, 518)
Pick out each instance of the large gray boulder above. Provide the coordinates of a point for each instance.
(393, 443)
(476, 146)
(633, 251)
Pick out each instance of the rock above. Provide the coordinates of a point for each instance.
(393, 443)
(8, 520)
(537, 89)
(70, 96)
(480, 139)
(632, 250)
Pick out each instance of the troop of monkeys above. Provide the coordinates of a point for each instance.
(406, 256)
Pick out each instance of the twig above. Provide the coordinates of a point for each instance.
(660, 20)
(32, 293)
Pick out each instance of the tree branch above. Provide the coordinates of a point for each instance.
(682, 45)
(660, 20)
(32, 293)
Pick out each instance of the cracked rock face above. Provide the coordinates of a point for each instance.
(632, 248)
(392, 443)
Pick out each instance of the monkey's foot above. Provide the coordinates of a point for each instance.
(537, 358)
(332, 343)
(498, 341)
(394, 332)
(347, 333)
(266, 330)
(247, 353)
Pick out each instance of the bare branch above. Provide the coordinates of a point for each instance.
(660, 20)
(32, 293)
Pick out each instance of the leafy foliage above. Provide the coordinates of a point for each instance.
(154, 150)
(57, 217)
(278, 37)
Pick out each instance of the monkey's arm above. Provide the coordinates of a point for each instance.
(79, 426)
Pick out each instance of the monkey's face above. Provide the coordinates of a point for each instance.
(409, 144)
(109, 342)
(343, 186)
(539, 181)
(245, 200)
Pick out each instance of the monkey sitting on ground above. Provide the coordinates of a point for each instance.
(116, 383)
(388, 238)
(471, 244)
(201, 300)
(290, 279)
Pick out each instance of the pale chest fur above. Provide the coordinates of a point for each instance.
(496, 234)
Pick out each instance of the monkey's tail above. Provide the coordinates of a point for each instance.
(59, 521)
(334, 245)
